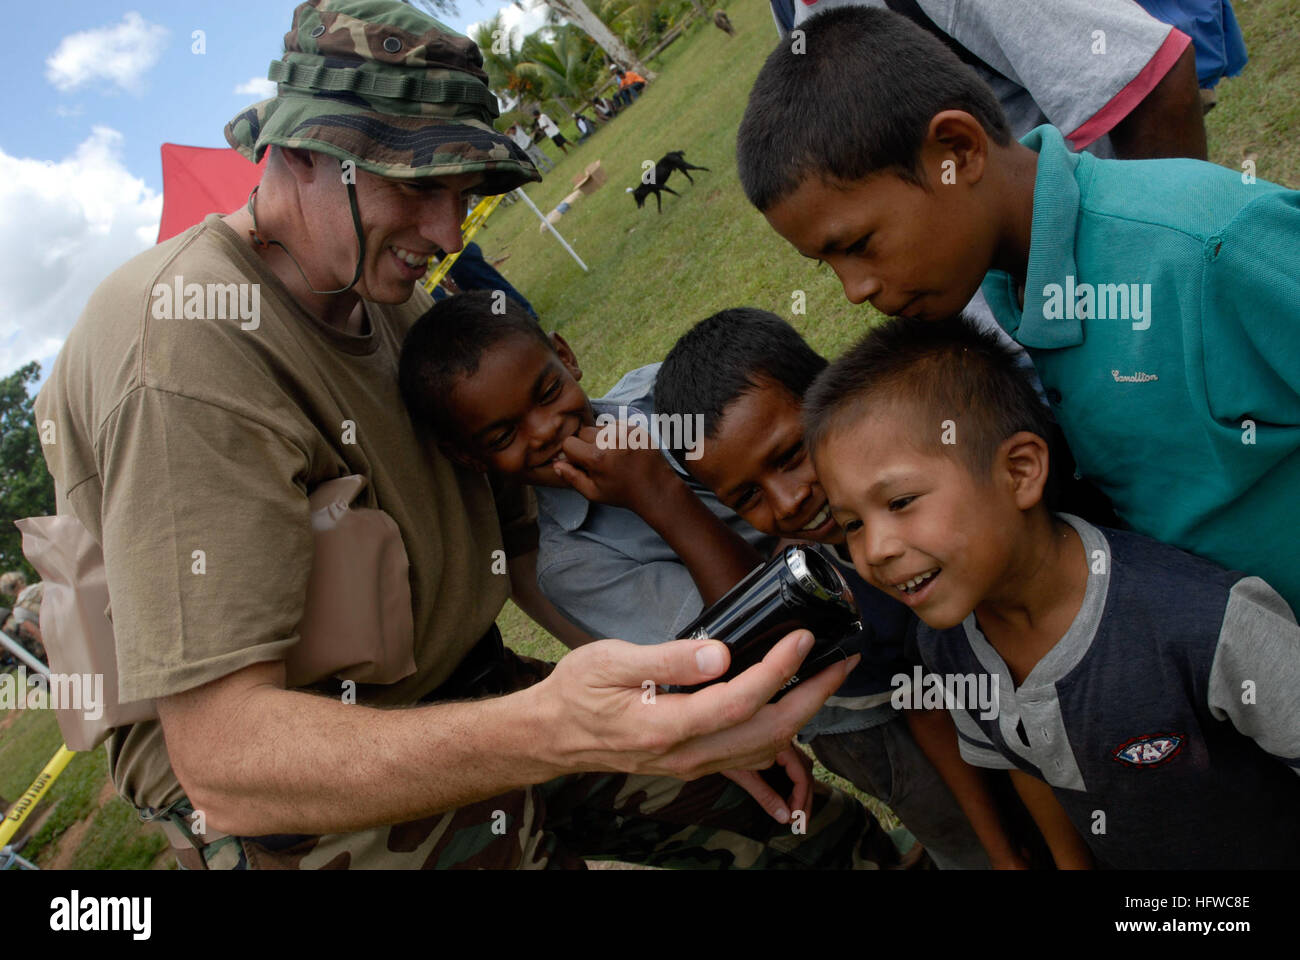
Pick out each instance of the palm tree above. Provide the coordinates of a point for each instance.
(502, 60)
(562, 67)
(435, 8)
(623, 18)
(579, 14)
(498, 48)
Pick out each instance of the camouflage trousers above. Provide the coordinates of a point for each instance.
(709, 823)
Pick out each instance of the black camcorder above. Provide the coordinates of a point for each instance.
(798, 587)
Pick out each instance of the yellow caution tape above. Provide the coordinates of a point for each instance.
(27, 802)
(467, 231)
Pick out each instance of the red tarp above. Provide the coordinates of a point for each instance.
(202, 180)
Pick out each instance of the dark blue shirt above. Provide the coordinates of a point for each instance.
(1166, 719)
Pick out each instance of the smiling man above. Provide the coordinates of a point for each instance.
(188, 446)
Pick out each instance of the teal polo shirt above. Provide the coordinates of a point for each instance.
(1162, 312)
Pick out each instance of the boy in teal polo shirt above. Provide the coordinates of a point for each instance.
(1158, 299)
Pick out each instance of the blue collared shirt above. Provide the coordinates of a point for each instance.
(604, 567)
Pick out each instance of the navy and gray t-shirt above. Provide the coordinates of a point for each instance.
(1166, 720)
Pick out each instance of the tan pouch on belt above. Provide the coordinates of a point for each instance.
(75, 628)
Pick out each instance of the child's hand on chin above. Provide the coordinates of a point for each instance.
(629, 477)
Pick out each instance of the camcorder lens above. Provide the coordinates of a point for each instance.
(820, 570)
(799, 587)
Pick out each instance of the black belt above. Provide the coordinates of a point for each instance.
(479, 674)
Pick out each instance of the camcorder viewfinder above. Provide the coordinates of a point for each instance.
(798, 587)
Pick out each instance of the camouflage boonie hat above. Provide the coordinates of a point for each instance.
(390, 88)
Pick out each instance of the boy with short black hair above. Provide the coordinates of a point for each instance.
(503, 397)
(1147, 698)
(745, 371)
(1158, 299)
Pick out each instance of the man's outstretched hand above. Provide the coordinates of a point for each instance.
(601, 709)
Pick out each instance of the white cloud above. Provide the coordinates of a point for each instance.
(521, 21)
(76, 110)
(258, 87)
(120, 54)
(63, 228)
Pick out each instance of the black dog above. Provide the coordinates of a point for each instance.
(663, 169)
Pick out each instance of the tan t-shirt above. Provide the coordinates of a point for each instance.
(188, 446)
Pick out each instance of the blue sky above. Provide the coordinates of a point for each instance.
(183, 98)
(100, 87)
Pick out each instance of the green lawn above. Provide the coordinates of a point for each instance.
(652, 276)
(115, 840)
(1259, 111)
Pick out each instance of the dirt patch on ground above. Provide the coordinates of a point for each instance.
(72, 837)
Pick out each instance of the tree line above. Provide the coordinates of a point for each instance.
(26, 488)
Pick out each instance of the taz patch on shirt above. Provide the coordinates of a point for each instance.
(1151, 751)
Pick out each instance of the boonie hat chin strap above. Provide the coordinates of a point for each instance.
(256, 237)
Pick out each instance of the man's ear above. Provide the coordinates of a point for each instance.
(566, 355)
(956, 149)
(458, 456)
(303, 164)
(1024, 460)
